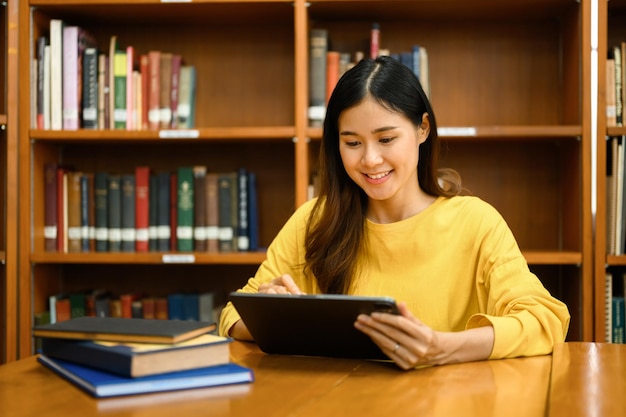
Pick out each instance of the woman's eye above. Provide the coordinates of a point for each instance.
(352, 144)
(385, 140)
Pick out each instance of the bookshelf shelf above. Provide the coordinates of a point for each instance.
(251, 258)
(514, 123)
(260, 133)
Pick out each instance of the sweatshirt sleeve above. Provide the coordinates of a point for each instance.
(526, 318)
(285, 255)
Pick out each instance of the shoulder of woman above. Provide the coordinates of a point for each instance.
(473, 206)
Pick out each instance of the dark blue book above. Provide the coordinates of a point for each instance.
(104, 384)
(140, 359)
(253, 213)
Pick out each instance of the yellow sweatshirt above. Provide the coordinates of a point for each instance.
(456, 265)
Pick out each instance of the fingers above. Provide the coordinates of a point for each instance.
(281, 285)
(289, 284)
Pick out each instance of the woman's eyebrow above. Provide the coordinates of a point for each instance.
(377, 130)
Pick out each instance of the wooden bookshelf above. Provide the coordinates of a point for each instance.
(508, 87)
(8, 185)
(611, 31)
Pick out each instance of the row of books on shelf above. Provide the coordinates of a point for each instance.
(615, 76)
(616, 195)
(190, 209)
(77, 85)
(327, 65)
(194, 306)
(615, 317)
(110, 357)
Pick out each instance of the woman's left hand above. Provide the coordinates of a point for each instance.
(410, 343)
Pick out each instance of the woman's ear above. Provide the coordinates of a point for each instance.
(424, 129)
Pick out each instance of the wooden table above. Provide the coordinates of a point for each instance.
(579, 379)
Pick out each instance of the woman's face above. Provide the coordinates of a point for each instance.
(380, 150)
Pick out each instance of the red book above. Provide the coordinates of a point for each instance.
(332, 72)
(62, 209)
(176, 63)
(142, 206)
(63, 309)
(144, 70)
(374, 40)
(126, 301)
(148, 308)
(154, 91)
(173, 210)
(160, 308)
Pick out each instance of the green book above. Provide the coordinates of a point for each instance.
(119, 100)
(184, 224)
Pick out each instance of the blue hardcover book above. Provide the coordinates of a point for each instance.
(104, 384)
(253, 214)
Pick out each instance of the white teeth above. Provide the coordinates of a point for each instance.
(378, 176)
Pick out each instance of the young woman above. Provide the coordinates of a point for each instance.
(388, 221)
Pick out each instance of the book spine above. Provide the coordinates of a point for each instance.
(618, 319)
(173, 210)
(212, 208)
(187, 98)
(90, 89)
(114, 209)
(119, 90)
(163, 211)
(374, 40)
(62, 209)
(153, 214)
(243, 241)
(253, 215)
(185, 210)
(47, 88)
(50, 207)
(84, 212)
(617, 55)
(144, 69)
(165, 89)
(42, 41)
(199, 206)
(101, 211)
(103, 92)
(318, 47)
(128, 213)
(332, 72)
(142, 208)
(154, 94)
(174, 90)
(91, 203)
(175, 306)
(226, 227)
(130, 88)
(56, 74)
(70, 82)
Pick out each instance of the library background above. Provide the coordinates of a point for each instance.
(151, 150)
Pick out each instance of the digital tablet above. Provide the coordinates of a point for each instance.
(311, 325)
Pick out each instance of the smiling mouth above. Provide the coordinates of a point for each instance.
(378, 176)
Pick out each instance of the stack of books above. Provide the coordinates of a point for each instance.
(108, 356)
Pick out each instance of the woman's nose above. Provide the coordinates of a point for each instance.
(371, 156)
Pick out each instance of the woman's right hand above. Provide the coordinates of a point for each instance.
(281, 285)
